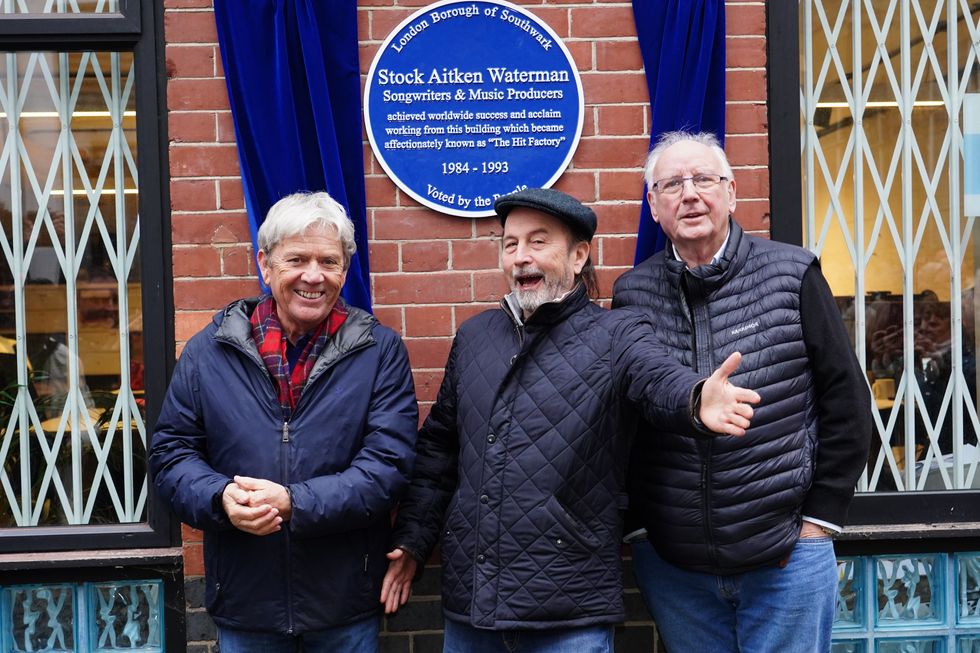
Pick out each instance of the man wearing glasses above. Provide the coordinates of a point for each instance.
(738, 554)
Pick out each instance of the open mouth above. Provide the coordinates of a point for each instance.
(528, 281)
(309, 294)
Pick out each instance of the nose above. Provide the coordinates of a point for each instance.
(688, 190)
(312, 273)
(522, 255)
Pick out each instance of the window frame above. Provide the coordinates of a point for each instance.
(137, 28)
(933, 516)
(31, 31)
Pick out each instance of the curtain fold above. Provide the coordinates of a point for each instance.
(683, 47)
(293, 78)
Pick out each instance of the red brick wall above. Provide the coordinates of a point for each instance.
(431, 271)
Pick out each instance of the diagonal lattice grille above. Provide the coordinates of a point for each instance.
(72, 431)
(883, 84)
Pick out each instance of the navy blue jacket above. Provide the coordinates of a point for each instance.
(344, 457)
(730, 505)
(521, 463)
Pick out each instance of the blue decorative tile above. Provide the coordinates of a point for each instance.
(968, 588)
(126, 615)
(847, 646)
(910, 590)
(912, 645)
(968, 644)
(39, 618)
(850, 594)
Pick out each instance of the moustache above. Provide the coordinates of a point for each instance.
(526, 272)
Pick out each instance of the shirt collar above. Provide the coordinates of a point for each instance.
(518, 313)
(714, 259)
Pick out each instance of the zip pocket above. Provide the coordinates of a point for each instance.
(570, 524)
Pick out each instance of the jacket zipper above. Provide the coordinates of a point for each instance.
(706, 499)
(285, 473)
(284, 467)
(702, 359)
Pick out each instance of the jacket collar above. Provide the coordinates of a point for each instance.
(715, 274)
(550, 312)
(234, 327)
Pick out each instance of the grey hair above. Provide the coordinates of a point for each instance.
(294, 214)
(672, 138)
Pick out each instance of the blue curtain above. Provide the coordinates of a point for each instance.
(294, 85)
(683, 48)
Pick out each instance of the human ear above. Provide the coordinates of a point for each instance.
(263, 259)
(580, 254)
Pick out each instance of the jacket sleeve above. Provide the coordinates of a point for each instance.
(664, 389)
(423, 510)
(178, 453)
(369, 488)
(844, 435)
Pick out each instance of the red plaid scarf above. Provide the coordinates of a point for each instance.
(271, 341)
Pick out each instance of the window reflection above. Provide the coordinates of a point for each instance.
(72, 434)
(883, 208)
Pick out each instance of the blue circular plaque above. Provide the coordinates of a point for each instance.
(467, 101)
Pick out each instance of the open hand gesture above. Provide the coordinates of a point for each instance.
(397, 584)
(725, 408)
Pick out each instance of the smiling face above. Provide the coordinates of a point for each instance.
(540, 260)
(305, 274)
(696, 221)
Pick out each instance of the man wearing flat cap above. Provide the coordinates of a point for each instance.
(520, 464)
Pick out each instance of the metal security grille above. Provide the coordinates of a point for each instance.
(72, 433)
(882, 93)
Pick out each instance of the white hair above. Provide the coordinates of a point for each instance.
(294, 214)
(672, 138)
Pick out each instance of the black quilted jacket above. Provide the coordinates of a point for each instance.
(729, 505)
(520, 464)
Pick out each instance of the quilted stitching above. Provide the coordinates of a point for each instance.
(553, 476)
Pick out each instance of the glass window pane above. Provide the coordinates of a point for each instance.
(883, 88)
(72, 431)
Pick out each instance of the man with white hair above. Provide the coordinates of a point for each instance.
(738, 554)
(286, 436)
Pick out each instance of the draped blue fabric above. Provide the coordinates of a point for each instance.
(293, 81)
(683, 48)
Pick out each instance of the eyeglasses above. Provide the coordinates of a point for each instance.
(674, 185)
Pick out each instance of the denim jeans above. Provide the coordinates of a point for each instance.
(461, 638)
(771, 610)
(358, 637)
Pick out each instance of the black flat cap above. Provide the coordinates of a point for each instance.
(578, 217)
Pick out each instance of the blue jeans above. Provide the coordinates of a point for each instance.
(461, 638)
(769, 610)
(358, 637)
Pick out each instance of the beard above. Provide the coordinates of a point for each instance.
(551, 287)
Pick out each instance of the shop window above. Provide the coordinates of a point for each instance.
(884, 92)
(81, 195)
(71, 390)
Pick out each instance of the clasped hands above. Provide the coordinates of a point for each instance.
(256, 506)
